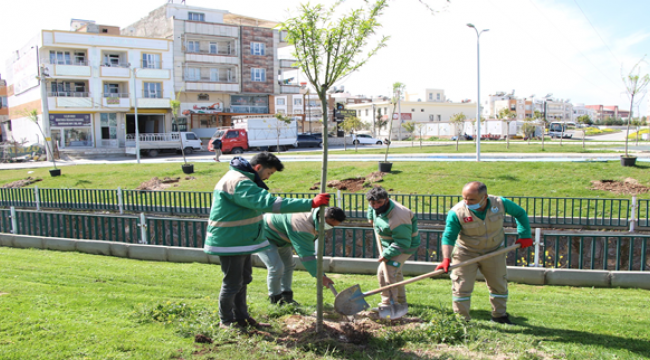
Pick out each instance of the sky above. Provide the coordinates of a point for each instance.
(573, 49)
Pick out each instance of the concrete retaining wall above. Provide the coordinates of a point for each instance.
(522, 275)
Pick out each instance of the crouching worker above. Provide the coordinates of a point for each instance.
(474, 228)
(285, 233)
(397, 227)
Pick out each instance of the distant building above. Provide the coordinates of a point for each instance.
(602, 112)
(5, 125)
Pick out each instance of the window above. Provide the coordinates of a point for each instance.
(386, 110)
(111, 90)
(439, 118)
(151, 61)
(105, 30)
(214, 74)
(79, 58)
(412, 110)
(258, 75)
(257, 48)
(193, 46)
(430, 96)
(153, 90)
(431, 117)
(421, 110)
(65, 88)
(111, 59)
(438, 96)
(232, 134)
(193, 74)
(195, 16)
(3, 102)
(60, 57)
(213, 48)
(366, 112)
(297, 101)
(190, 136)
(279, 101)
(204, 97)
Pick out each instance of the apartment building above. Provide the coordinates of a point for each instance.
(436, 110)
(580, 110)
(522, 108)
(5, 129)
(224, 64)
(93, 78)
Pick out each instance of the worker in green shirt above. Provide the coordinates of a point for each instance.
(474, 228)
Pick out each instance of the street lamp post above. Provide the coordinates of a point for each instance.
(135, 106)
(45, 111)
(478, 92)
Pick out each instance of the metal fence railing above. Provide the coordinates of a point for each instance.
(542, 211)
(595, 251)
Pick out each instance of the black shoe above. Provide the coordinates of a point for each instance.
(287, 298)
(276, 299)
(503, 320)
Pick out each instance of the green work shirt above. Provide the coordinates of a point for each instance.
(453, 227)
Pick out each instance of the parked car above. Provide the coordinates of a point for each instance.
(365, 139)
(305, 140)
(559, 129)
(463, 137)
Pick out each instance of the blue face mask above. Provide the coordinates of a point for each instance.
(474, 206)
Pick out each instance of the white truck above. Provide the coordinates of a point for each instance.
(259, 132)
(154, 143)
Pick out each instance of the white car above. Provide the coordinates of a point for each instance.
(365, 139)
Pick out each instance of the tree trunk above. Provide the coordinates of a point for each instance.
(321, 221)
(627, 133)
(543, 134)
(637, 136)
(584, 132)
(457, 139)
(507, 135)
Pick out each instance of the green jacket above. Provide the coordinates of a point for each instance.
(236, 217)
(299, 230)
(397, 228)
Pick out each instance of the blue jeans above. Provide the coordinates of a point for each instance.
(237, 274)
(280, 264)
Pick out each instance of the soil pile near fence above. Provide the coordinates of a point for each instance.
(21, 183)
(157, 184)
(628, 186)
(354, 184)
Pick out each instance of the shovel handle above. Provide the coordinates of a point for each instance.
(441, 271)
(331, 287)
(383, 263)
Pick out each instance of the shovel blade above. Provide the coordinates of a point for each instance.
(393, 312)
(350, 301)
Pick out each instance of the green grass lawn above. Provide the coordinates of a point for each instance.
(60, 305)
(516, 147)
(561, 179)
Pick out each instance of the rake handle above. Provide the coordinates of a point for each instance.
(441, 271)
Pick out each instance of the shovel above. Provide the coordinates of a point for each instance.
(392, 311)
(351, 300)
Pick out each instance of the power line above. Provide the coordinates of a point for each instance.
(569, 41)
(596, 31)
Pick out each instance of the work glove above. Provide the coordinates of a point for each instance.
(320, 200)
(444, 265)
(327, 281)
(525, 242)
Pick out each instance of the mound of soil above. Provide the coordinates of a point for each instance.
(628, 186)
(157, 184)
(354, 184)
(21, 183)
(202, 339)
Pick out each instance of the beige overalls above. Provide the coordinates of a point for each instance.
(478, 237)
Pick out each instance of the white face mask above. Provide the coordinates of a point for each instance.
(328, 226)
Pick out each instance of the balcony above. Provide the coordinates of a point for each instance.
(211, 58)
(211, 29)
(68, 99)
(116, 100)
(115, 70)
(77, 68)
(151, 101)
(288, 64)
(201, 85)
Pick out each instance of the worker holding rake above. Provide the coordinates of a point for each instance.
(397, 227)
(474, 228)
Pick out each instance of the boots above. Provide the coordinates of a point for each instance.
(287, 298)
(276, 299)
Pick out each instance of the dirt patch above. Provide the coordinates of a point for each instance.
(190, 178)
(202, 339)
(21, 183)
(157, 184)
(354, 184)
(1, 293)
(628, 186)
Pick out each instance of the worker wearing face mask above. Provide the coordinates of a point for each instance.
(285, 233)
(474, 228)
(397, 227)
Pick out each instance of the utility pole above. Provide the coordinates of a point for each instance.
(135, 106)
(399, 111)
(45, 110)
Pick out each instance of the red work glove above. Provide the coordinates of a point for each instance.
(320, 200)
(525, 242)
(444, 265)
